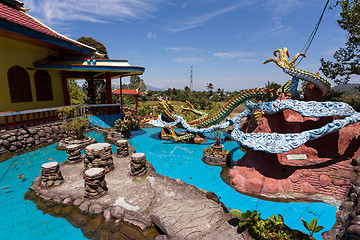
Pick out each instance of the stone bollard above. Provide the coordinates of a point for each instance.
(50, 174)
(73, 153)
(95, 184)
(98, 155)
(122, 148)
(138, 164)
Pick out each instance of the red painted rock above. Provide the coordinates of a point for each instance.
(328, 157)
(308, 188)
(305, 174)
(285, 185)
(338, 181)
(238, 181)
(325, 180)
(294, 178)
(271, 186)
(253, 185)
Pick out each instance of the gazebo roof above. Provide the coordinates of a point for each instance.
(86, 68)
(135, 91)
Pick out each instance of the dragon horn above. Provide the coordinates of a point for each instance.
(276, 51)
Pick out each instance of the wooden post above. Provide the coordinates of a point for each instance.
(136, 102)
(65, 88)
(108, 88)
(121, 98)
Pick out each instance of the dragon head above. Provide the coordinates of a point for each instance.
(282, 62)
(165, 105)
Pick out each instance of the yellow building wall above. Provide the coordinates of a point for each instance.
(16, 53)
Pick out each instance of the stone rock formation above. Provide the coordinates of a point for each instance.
(95, 184)
(98, 155)
(50, 174)
(73, 153)
(318, 170)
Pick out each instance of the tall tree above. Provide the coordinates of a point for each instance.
(77, 95)
(209, 86)
(90, 86)
(346, 59)
(135, 82)
(92, 42)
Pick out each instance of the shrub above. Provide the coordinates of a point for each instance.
(129, 122)
(75, 127)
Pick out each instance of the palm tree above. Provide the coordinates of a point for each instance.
(210, 86)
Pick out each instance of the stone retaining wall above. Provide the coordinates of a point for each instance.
(26, 138)
(347, 225)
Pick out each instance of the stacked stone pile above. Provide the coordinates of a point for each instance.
(50, 174)
(122, 148)
(138, 164)
(98, 155)
(73, 153)
(95, 184)
(25, 138)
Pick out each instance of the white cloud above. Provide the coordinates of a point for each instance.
(202, 19)
(190, 60)
(183, 49)
(151, 35)
(233, 54)
(89, 10)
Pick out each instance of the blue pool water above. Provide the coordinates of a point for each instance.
(20, 219)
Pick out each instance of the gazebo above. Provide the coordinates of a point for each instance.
(89, 68)
(134, 92)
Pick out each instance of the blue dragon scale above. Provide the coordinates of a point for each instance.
(277, 142)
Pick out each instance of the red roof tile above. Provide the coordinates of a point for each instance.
(23, 19)
(128, 92)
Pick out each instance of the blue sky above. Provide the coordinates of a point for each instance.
(225, 41)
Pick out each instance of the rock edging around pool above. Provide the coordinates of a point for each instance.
(136, 206)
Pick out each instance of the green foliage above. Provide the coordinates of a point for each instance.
(77, 95)
(355, 103)
(217, 136)
(346, 58)
(312, 227)
(75, 127)
(271, 228)
(334, 96)
(130, 122)
(135, 82)
(92, 42)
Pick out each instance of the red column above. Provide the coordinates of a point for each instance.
(108, 88)
(65, 87)
(121, 97)
(136, 102)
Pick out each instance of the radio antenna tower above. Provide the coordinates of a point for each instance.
(191, 81)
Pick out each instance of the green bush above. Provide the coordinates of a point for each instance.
(269, 229)
(77, 126)
(130, 122)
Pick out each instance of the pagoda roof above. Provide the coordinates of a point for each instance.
(14, 21)
(90, 68)
(128, 92)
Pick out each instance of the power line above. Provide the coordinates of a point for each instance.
(312, 35)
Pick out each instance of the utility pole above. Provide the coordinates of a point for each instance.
(191, 80)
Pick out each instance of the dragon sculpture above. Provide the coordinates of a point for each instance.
(269, 142)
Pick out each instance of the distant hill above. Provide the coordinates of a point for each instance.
(347, 88)
(148, 87)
